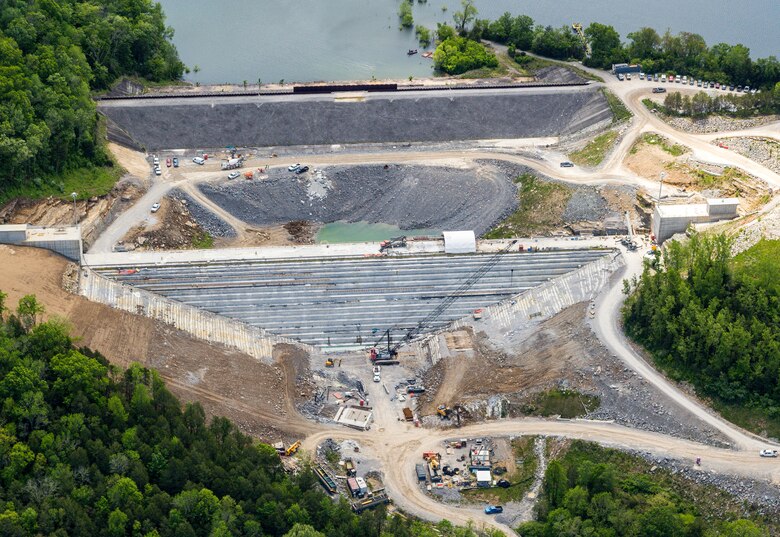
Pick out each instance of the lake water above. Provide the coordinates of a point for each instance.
(365, 232)
(305, 40)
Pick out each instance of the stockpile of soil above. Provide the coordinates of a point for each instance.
(406, 196)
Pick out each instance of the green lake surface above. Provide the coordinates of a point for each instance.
(364, 232)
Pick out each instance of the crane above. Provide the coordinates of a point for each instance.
(442, 307)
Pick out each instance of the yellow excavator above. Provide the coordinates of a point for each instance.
(329, 363)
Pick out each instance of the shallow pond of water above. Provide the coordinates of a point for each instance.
(336, 232)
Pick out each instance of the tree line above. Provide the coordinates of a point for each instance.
(52, 55)
(600, 492)
(712, 320)
(703, 104)
(90, 449)
(684, 53)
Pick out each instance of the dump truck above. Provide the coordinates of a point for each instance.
(349, 467)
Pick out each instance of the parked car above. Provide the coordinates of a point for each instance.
(698, 82)
(233, 175)
(156, 161)
(746, 89)
(175, 162)
(731, 87)
(293, 167)
(567, 164)
(302, 169)
(377, 378)
(768, 453)
(155, 207)
(168, 162)
(671, 78)
(659, 90)
(739, 89)
(641, 76)
(692, 82)
(157, 170)
(377, 369)
(199, 160)
(620, 76)
(655, 77)
(503, 483)
(628, 76)
(717, 85)
(493, 509)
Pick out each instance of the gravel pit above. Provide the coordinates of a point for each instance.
(407, 196)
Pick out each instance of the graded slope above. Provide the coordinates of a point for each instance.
(410, 116)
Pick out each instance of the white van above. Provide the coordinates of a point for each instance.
(198, 160)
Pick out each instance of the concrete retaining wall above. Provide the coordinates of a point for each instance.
(509, 318)
(65, 240)
(251, 340)
(261, 121)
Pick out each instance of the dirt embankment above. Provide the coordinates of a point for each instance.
(653, 155)
(406, 196)
(561, 353)
(254, 395)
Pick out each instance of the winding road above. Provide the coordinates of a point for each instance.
(398, 446)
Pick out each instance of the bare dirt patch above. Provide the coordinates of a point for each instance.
(175, 229)
(228, 383)
(131, 160)
(652, 155)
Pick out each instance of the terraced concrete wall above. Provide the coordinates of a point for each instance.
(262, 121)
(254, 341)
(532, 307)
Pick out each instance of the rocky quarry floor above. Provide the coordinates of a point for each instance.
(407, 196)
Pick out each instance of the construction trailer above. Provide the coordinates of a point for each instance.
(353, 487)
(484, 478)
(421, 473)
(362, 486)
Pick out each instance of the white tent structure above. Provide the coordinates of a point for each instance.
(460, 242)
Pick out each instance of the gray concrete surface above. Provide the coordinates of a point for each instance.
(349, 303)
(260, 121)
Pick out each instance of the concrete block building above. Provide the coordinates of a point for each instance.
(669, 220)
(63, 240)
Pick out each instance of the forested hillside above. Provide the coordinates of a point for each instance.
(602, 492)
(90, 450)
(52, 54)
(714, 321)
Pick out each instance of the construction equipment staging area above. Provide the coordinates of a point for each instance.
(349, 303)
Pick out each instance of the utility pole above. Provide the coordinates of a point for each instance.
(74, 195)
(661, 186)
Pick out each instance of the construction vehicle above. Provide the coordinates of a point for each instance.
(329, 362)
(444, 411)
(408, 415)
(396, 242)
(292, 448)
(392, 352)
(233, 163)
(349, 467)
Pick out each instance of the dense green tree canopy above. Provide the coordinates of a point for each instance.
(602, 493)
(51, 55)
(714, 321)
(457, 55)
(89, 450)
